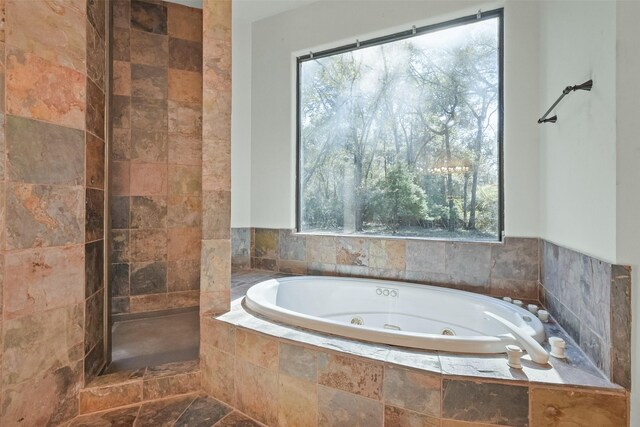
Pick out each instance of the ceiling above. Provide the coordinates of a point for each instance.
(253, 10)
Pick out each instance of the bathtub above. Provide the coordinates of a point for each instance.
(398, 313)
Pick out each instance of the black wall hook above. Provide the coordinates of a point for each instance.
(584, 86)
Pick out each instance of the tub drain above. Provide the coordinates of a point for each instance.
(447, 331)
(356, 320)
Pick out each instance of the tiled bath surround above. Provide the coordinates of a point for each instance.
(590, 298)
(156, 156)
(314, 379)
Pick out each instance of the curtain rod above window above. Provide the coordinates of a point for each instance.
(414, 31)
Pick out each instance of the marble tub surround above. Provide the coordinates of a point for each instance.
(52, 120)
(156, 156)
(500, 269)
(592, 301)
(338, 381)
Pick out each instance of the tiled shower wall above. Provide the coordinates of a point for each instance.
(51, 205)
(156, 156)
(590, 298)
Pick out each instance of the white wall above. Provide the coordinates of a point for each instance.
(578, 153)
(276, 42)
(628, 172)
(241, 121)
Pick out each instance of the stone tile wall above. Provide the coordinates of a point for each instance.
(501, 269)
(285, 382)
(592, 300)
(156, 156)
(241, 248)
(52, 148)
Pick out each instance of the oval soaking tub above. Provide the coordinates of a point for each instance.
(398, 313)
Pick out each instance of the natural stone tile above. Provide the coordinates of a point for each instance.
(518, 289)
(216, 215)
(595, 348)
(468, 259)
(184, 211)
(55, 34)
(253, 383)
(216, 269)
(569, 320)
(399, 417)
(183, 299)
(94, 361)
(94, 215)
(424, 360)
(93, 267)
(550, 407)
(185, 86)
(120, 305)
(266, 243)
(163, 413)
(172, 369)
(119, 285)
(183, 275)
(264, 264)
(184, 243)
(218, 374)
(423, 255)
(96, 14)
(149, 114)
(41, 153)
(121, 45)
(352, 251)
(121, 112)
(148, 179)
(621, 325)
(148, 81)
(149, 146)
(144, 303)
(95, 111)
(292, 267)
(95, 162)
(117, 378)
(148, 278)
(237, 419)
(185, 54)
(217, 72)
(340, 409)
(185, 180)
(41, 279)
(184, 22)
(388, 274)
(240, 241)
(185, 149)
(297, 401)
(57, 402)
(39, 215)
(257, 349)
(387, 254)
(35, 344)
(159, 387)
(148, 245)
(39, 89)
(516, 258)
(185, 119)
(216, 159)
(96, 55)
(121, 13)
(149, 49)
(349, 374)
(120, 144)
(485, 402)
(94, 320)
(595, 293)
(149, 17)
(121, 84)
(321, 249)
(101, 398)
(291, 246)
(220, 335)
(120, 181)
(203, 412)
(119, 207)
(120, 246)
(148, 212)
(412, 390)
(117, 417)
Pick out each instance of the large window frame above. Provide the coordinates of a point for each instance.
(415, 31)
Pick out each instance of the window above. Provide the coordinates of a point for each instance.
(401, 135)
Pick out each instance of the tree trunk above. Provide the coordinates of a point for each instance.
(452, 221)
(474, 182)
